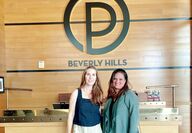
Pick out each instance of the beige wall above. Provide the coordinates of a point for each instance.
(157, 49)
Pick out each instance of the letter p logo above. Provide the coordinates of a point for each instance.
(90, 33)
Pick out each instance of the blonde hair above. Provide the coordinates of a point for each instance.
(97, 92)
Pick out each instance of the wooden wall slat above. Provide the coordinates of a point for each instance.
(2, 40)
(18, 11)
(156, 45)
(47, 86)
(2, 53)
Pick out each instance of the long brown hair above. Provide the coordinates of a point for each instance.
(97, 92)
(111, 90)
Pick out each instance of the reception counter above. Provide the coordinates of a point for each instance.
(60, 127)
(152, 120)
(33, 127)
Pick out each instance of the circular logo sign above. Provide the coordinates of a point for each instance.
(90, 33)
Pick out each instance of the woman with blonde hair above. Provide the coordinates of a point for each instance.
(85, 101)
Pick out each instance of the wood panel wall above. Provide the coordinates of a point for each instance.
(2, 53)
(157, 49)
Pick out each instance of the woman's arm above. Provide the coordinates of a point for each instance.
(72, 104)
(133, 104)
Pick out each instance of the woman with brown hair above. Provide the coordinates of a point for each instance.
(84, 110)
(121, 110)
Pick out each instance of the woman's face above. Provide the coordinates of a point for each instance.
(119, 81)
(90, 77)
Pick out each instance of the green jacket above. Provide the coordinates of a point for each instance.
(125, 114)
